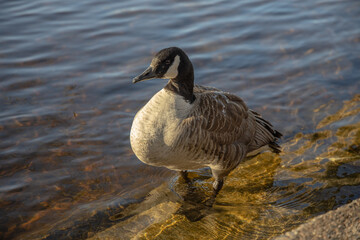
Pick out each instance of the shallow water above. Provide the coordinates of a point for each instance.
(66, 106)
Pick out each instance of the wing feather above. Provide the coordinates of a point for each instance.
(219, 125)
(226, 117)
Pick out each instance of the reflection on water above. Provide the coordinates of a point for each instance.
(67, 103)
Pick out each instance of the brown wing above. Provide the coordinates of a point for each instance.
(219, 126)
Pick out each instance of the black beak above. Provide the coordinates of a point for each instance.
(146, 75)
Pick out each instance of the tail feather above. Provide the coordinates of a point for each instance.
(275, 147)
(265, 134)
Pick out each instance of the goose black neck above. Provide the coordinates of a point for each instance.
(183, 86)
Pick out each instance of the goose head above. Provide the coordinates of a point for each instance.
(172, 63)
(169, 63)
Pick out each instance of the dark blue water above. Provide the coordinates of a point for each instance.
(67, 102)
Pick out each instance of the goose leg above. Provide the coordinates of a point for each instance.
(219, 176)
(184, 175)
(217, 185)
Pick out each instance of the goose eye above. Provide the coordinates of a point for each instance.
(167, 62)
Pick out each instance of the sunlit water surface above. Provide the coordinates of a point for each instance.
(66, 106)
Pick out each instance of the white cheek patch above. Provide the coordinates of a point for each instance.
(172, 72)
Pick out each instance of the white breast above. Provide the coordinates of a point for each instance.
(155, 129)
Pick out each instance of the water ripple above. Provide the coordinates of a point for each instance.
(67, 104)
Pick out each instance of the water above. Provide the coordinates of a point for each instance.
(67, 170)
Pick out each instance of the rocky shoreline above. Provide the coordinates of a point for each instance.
(342, 223)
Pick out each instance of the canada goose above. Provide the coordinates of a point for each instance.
(186, 126)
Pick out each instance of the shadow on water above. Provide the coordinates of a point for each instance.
(264, 197)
